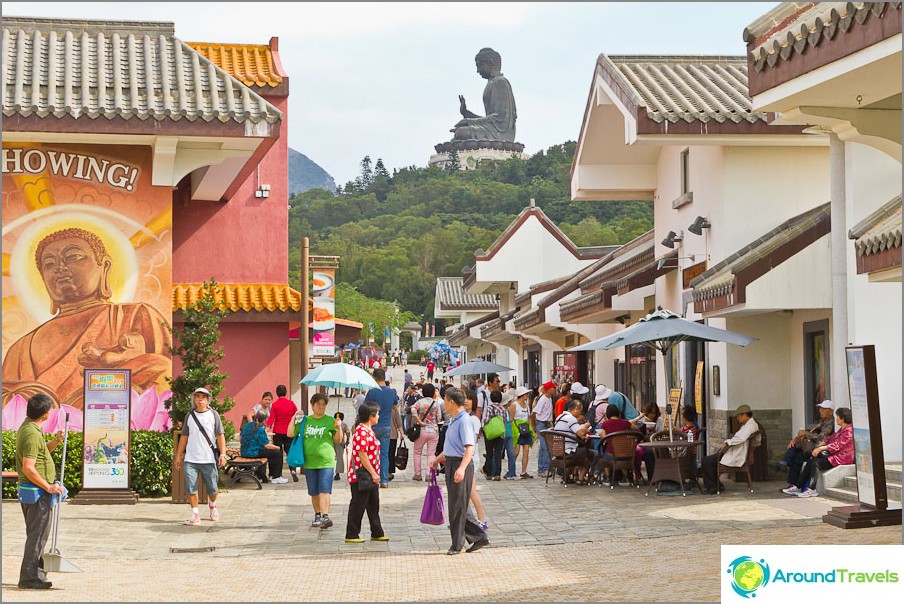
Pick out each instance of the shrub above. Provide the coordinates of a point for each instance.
(151, 460)
(415, 356)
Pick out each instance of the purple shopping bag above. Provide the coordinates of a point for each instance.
(434, 511)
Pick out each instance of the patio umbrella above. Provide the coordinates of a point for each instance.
(478, 367)
(339, 375)
(662, 330)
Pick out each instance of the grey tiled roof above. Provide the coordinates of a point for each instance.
(116, 69)
(450, 295)
(685, 88)
(879, 231)
(719, 280)
(792, 27)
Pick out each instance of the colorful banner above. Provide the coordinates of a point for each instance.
(324, 320)
(106, 433)
(87, 269)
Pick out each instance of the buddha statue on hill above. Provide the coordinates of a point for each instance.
(498, 101)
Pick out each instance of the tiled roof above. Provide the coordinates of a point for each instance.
(260, 297)
(637, 252)
(879, 231)
(685, 88)
(762, 255)
(119, 69)
(792, 27)
(251, 64)
(450, 295)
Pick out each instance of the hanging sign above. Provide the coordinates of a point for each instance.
(324, 320)
(105, 449)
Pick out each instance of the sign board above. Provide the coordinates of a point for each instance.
(675, 405)
(324, 320)
(698, 387)
(869, 457)
(691, 272)
(105, 450)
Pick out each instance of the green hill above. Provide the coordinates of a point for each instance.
(397, 233)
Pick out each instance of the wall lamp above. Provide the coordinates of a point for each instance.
(698, 225)
(671, 238)
(665, 262)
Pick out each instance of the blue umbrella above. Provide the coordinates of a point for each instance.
(339, 375)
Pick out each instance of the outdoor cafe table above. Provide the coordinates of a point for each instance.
(669, 468)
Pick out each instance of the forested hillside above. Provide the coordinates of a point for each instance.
(396, 233)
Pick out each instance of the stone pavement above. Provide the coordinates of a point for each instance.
(265, 550)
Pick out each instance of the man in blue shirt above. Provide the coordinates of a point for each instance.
(388, 401)
(458, 451)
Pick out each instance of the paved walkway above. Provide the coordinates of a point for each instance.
(539, 534)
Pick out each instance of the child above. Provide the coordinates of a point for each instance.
(689, 419)
(340, 448)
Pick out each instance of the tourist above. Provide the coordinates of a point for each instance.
(201, 427)
(405, 359)
(520, 412)
(408, 377)
(387, 399)
(36, 468)
(426, 413)
(494, 446)
(651, 414)
(457, 456)
(689, 422)
(564, 393)
(320, 435)
(359, 398)
(256, 444)
(264, 405)
(575, 450)
(836, 450)
(597, 411)
(281, 413)
(541, 419)
(365, 454)
(341, 447)
(732, 453)
(493, 384)
(508, 396)
(624, 406)
(470, 399)
(801, 447)
(431, 367)
(397, 434)
(614, 423)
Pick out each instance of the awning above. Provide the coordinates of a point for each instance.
(877, 239)
(246, 301)
(725, 284)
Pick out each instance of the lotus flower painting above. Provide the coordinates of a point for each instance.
(148, 413)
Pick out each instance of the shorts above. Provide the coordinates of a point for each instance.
(208, 472)
(320, 481)
(526, 439)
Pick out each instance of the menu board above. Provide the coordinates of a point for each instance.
(105, 452)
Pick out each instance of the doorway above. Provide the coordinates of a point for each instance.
(817, 385)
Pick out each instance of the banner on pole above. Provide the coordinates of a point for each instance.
(324, 322)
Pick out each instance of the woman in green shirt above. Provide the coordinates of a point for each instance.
(320, 435)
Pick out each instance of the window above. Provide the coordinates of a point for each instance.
(685, 172)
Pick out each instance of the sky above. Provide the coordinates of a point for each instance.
(383, 79)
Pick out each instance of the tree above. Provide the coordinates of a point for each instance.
(454, 165)
(367, 174)
(196, 345)
(380, 169)
(382, 182)
(374, 314)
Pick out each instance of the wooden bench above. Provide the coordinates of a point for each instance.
(10, 476)
(244, 467)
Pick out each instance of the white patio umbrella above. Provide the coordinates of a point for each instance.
(478, 367)
(661, 330)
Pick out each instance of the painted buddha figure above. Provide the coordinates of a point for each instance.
(87, 330)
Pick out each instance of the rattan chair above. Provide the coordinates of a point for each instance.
(555, 445)
(755, 442)
(624, 449)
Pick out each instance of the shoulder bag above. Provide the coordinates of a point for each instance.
(414, 431)
(364, 479)
(295, 456)
(215, 449)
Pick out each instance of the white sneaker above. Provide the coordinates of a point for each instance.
(809, 493)
(792, 490)
(279, 480)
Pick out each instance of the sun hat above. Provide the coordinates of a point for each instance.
(826, 404)
(579, 388)
(602, 393)
(202, 391)
(742, 409)
(521, 391)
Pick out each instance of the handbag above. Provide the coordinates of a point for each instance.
(295, 456)
(434, 510)
(523, 427)
(365, 480)
(213, 447)
(401, 456)
(494, 428)
(414, 431)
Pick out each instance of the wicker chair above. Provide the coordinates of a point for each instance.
(624, 448)
(755, 442)
(683, 466)
(555, 444)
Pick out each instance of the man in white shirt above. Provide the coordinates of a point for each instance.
(198, 456)
(733, 451)
(575, 450)
(541, 419)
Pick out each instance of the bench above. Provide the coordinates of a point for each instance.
(10, 476)
(244, 467)
(833, 477)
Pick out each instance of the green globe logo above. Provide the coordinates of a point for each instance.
(748, 575)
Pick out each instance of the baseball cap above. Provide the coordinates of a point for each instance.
(202, 391)
(579, 388)
(548, 385)
(602, 393)
(742, 409)
(826, 404)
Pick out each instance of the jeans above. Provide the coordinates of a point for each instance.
(510, 455)
(543, 452)
(208, 472)
(795, 459)
(428, 438)
(494, 455)
(320, 481)
(383, 433)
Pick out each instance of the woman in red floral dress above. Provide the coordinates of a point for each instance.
(365, 453)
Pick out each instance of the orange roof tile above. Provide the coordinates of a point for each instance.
(258, 297)
(251, 64)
